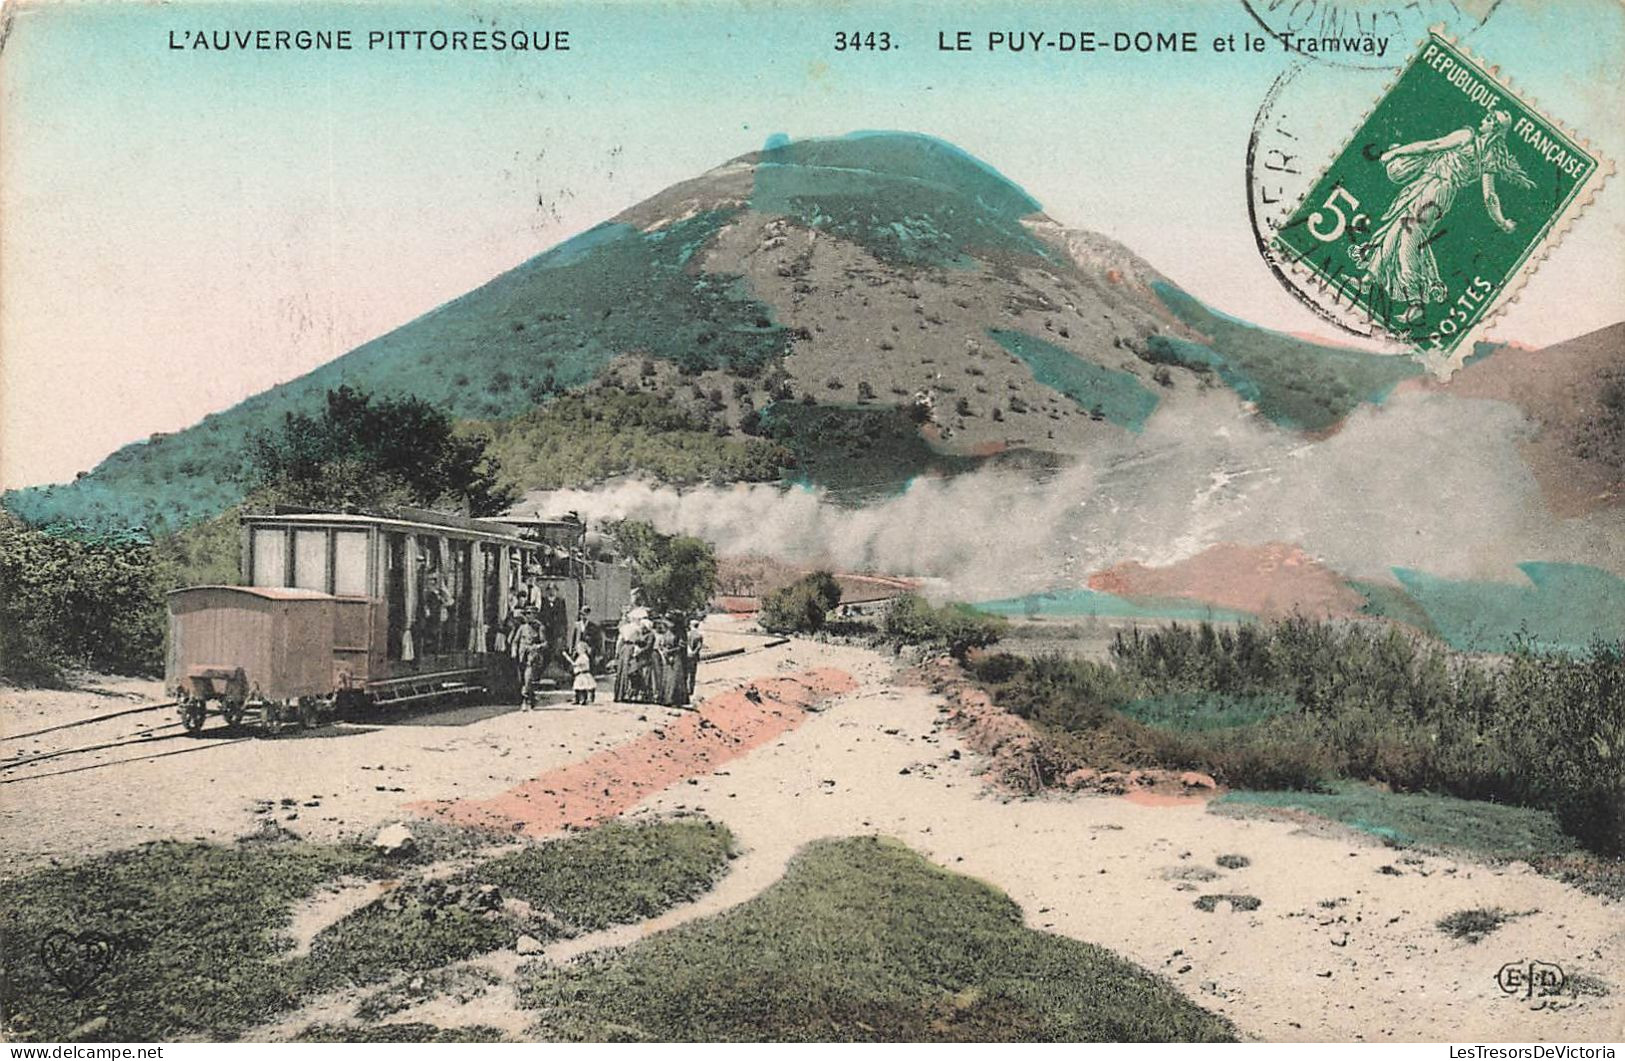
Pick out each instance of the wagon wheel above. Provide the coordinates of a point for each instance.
(309, 715)
(233, 711)
(193, 712)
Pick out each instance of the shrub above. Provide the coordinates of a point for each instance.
(911, 620)
(1473, 925)
(75, 600)
(800, 607)
(1313, 701)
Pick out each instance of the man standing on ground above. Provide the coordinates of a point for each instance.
(694, 645)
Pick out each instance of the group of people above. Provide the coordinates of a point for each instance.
(539, 637)
(657, 658)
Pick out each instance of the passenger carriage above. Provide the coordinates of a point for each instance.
(340, 611)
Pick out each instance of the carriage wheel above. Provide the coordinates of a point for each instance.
(233, 711)
(193, 712)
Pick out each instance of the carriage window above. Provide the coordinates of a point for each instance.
(350, 563)
(270, 560)
(310, 559)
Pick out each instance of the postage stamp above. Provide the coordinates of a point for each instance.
(1448, 195)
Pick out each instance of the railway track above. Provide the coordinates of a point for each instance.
(88, 721)
(147, 736)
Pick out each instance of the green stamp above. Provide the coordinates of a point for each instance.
(1446, 198)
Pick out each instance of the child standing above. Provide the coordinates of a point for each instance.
(585, 685)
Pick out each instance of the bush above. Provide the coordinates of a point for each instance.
(800, 607)
(74, 600)
(1298, 703)
(911, 620)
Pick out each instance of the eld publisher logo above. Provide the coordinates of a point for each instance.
(1531, 980)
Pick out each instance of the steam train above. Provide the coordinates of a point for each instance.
(346, 611)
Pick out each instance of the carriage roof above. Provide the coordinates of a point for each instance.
(414, 523)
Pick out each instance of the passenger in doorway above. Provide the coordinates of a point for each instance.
(555, 619)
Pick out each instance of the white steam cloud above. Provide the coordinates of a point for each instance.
(1424, 481)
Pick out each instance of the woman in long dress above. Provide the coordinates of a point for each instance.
(1431, 173)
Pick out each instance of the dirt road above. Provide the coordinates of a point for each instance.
(1342, 944)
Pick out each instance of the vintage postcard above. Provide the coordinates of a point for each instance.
(792, 521)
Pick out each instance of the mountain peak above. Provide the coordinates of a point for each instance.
(901, 155)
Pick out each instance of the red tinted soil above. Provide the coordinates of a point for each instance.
(1270, 580)
(613, 781)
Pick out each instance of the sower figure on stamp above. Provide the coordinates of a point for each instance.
(1431, 173)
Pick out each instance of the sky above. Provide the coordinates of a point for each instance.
(182, 229)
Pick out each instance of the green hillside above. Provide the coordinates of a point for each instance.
(1295, 383)
(496, 357)
(545, 326)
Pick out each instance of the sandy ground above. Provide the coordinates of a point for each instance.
(1342, 945)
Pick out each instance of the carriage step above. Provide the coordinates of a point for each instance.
(428, 691)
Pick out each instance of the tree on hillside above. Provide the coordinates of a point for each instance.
(376, 452)
(673, 572)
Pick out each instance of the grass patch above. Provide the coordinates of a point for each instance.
(198, 932)
(464, 983)
(912, 620)
(616, 873)
(1473, 925)
(1108, 393)
(414, 928)
(1233, 861)
(1422, 819)
(1238, 903)
(863, 940)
